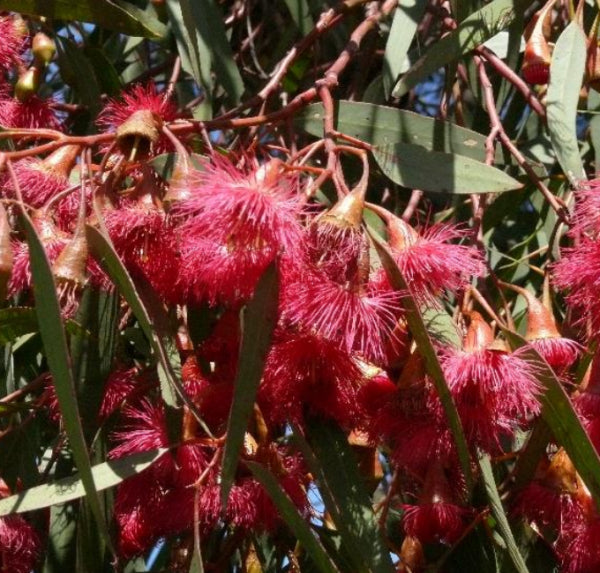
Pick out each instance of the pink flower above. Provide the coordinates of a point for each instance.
(13, 41)
(304, 371)
(249, 207)
(587, 209)
(37, 183)
(358, 317)
(139, 97)
(220, 272)
(335, 243)
(432, 261)
(495, 392)
(20, 545)
(578, 272)
(145, 429)
(34, 113)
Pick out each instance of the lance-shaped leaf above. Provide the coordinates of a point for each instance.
(194, 52)
(419, 168)
(383, 126)
(424, 343)
(57, 355)
(106, 475)
(345, 495)
(558, 413)
(500, 516)
(163, 346)
(117, 15)
(407, 16)
(566, 74)
(258, 323)
(15, 322)
(471, 32)
(203, 43)
(299, 527)
(107, 258)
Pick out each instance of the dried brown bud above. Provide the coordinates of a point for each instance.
(138, 133)
(347, 212)
(412, 556)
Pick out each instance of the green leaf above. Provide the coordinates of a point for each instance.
(348, 500)
(117, 15)
(441, 326)
(57, 355)
(15, 322)
(209, 21)
(258, 323)
(105, 475)
(106, 73)
(293, 519)
(471, 32)
(499, 514)
(558, 413)
(194, 52)
(383, 126)
(79, 73)
(416, 167)
(424, 343)
(201, 37)
(104, 253)
(566, 74)
(404, 26)
(300, 12)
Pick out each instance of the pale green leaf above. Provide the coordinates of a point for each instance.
(566, 75)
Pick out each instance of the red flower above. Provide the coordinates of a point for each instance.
(432, 262)
(578, 272)
(12, 32)
(304, 371)
(242, 206)
(122, 384)
(138, 98)
(577, 547)
(20, 545)
(145, 429)
(495, 392)
(436, 517)
(359, 318)
(34, 113)
(148, 244)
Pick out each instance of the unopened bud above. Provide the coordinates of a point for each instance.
(43, 48)
(28, 84)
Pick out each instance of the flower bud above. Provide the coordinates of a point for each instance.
(43, 48)
(28, 84)
(537, 57)
(412, 556)
(401, 235)
(479, 334)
